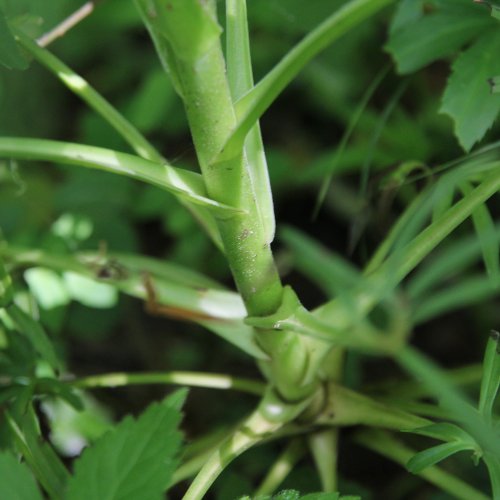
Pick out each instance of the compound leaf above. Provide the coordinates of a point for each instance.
(134, 460)
(468, 99)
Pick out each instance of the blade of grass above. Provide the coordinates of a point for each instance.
(491, 376)
(183, 183)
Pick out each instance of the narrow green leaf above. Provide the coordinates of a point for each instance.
(486, 232)
(184, 183)
(433, 456)
(428, 38)
(491, 375)
(34, 332)
(330, 271)
(16, 481)
(10, 55)
(493, 464)
(467, 99)
(466, 292)
(134, 460)
(444, 431)
(253, 104)
(39, 455)
(240, 77)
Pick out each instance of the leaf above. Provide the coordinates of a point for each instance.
(39, 455)
(89, 292)
(494, 84)
(134, 460)
(47, 287)
(444, 431)
(491, 375)
(34, 332)
(328, 270)
(183, 183)
(16, 481)
(437, 35)
(467, 99)
(486, 232)
(10, 55)
(433, 455)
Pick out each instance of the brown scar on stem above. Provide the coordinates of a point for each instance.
(153, 307)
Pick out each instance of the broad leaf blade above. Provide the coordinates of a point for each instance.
(431, 37)
(134, 460)
(467, 99)
(16, 482)
(433, 455)
(10, 55)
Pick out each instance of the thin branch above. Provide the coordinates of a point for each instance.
(193, 379)
(70, 22)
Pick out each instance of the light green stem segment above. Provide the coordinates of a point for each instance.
(198, 67)
(193, 379)
(385, 444)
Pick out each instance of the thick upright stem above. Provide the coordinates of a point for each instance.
(211, 116)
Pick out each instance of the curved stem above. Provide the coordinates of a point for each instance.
(87, 93)
(193, 379)
(281, 467)
(180, 182)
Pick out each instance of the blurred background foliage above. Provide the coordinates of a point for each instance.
(63, 209)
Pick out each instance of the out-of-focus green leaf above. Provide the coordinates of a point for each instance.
(490, 243)
(444, 431)
(90, 293)
(47, 286)
(147, 457)
(10, 55)
(330, 271)
(434, 455)
(491, 375)
(34, 332)
(16, 482)
(494, 84)
(423, 39)
(467, 99)
(465, 293)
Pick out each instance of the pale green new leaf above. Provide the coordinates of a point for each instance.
(467, 99)
(134, 460)
(16, 481)
(47, 287)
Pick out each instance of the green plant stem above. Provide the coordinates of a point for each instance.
(211, 117)
(193, 379)
(281, 467)
(385, 444)
(324, 448)
(252, 431)
(180, 182)
(87, 93)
